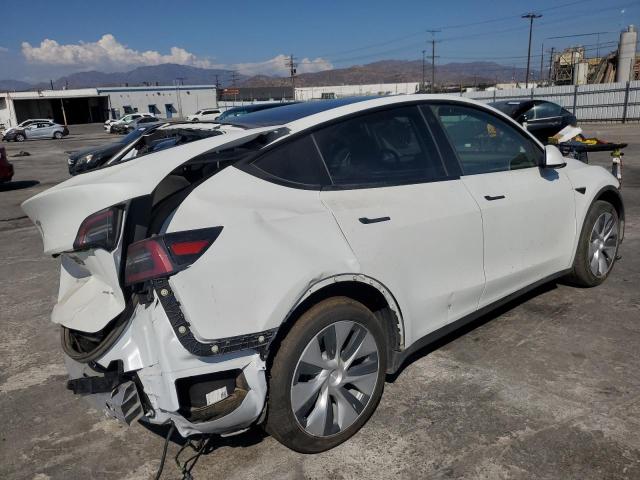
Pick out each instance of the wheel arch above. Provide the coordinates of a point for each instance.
(361, 288)
(612, 195)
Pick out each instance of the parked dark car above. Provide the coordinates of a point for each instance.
(238, 111)
(6, 168)
(93, 157)
(544, 119)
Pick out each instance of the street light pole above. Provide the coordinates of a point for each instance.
(530, 16)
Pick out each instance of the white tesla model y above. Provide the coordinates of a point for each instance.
(275, 273)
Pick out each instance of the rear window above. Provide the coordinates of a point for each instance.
(297, 161)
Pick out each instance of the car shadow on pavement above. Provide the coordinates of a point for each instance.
(426, 350)
(19, 185)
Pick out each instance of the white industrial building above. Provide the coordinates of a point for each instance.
(88, 105)
(339, 91)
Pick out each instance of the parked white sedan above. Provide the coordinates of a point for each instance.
(279, 270)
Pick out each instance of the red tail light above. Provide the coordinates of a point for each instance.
(100, 230)
(164, 255)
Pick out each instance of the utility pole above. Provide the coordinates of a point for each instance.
(551, 64)
(541, 61)
(433, 58)
(531, 16)
(179, 81)
(234, 79)
(422, 89)
(292, 72)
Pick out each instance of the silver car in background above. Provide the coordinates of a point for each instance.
(39, 129)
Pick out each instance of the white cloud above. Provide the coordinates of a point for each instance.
(3, 49)
(109, 53)
(106, 52)
(279, 65)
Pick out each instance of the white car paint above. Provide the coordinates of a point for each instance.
(205, 114)
(128, 118)
(447, 253)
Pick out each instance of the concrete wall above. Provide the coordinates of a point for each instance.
(589, 103)
(314, 93)
(184, 100)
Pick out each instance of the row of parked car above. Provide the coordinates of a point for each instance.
(144, 133)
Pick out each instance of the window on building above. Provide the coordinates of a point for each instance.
(127, 109)
(153, 108)
(3, 103)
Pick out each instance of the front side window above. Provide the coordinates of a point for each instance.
(297, 161)
(381, 148)
(485, 143)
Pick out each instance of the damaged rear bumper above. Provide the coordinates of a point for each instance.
(148, 375)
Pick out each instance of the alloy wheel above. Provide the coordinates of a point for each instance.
(334, 378)
(603, 244)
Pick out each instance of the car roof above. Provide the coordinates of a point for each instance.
(308, 114)
(288, 113)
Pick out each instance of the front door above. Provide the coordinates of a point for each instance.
(411, 225)
(528, 212)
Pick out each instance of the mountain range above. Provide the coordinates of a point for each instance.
(385, 71)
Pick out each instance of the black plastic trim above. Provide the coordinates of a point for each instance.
(182, 329)
(396, 359)
(367, 221)
(581, 190)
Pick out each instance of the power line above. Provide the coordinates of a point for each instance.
(446, 27)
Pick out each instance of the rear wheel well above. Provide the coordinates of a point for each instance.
(364, 293)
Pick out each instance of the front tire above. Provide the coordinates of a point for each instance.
(19, 138)
(57, 135)
(598, 245)
(327, 376)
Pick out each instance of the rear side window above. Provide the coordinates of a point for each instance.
(485, 143)
(547, 109)
(381, 148)
(297, 161)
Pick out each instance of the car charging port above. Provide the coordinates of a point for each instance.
(211, 396)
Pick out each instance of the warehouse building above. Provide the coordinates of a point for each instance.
(89, 105)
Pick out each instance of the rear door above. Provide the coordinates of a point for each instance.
(412, 224)
(528, 212)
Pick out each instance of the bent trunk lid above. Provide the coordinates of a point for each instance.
(90, 293)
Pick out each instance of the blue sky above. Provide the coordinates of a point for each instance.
(49, 39)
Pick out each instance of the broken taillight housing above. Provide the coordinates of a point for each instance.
(100, 230)
(164, 255)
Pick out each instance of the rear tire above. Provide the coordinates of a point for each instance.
(597, 247)
(327, 376)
